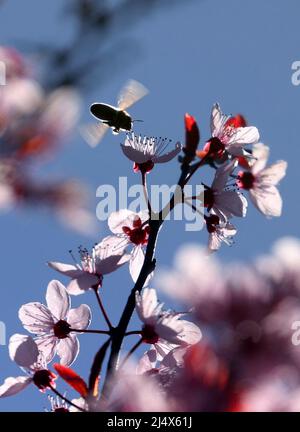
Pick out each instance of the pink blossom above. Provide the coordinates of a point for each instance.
(24, 351)
(104, 259)
(130, 229)
(53, 324)
(146, 152)
(164, 330)
(226, 137)
(261, 181)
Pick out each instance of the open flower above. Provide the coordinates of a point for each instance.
(261, 181)
(145, 152)
(24, 351)
(229, 136)
(130, 229)
(222, 201)
(53, 324)
(164, 330)
(219, 232)
(105, 258)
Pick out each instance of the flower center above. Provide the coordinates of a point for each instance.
(61, 329)
(245, 180)
(211, 222)
(214, 147)
(43, 379)
(144, 167)
(138, 235)
(149, 334)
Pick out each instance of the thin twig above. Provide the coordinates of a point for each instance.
(90, 331)
(103, 309)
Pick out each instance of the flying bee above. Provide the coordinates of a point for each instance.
(113, 117)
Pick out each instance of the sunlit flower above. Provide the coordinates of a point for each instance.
(261, 181)
(219, 232)
(222, 201)
(24, 351)
(53, 324)
(229, 136)
(105, 258)
(164, 330)
(130, 229)
(145, 152)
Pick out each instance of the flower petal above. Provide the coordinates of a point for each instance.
(58, 300)
(216, 119)
(23, 350)
(147, 304)
(136, 262)
(68, 349)
(14, 385)
(36, 318)
(80, 318)
(47, 346)
(135, 155)
(222, 174)
(66, 269)
(118, 219)
(81, 284)
(168, 156)
(273, 174)
(261, 154)
(230, 203)
(267, 200)
(244, 135)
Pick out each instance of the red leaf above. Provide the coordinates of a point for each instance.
(72, 378)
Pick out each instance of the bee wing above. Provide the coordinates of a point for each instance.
(93, 133)
(131, 93)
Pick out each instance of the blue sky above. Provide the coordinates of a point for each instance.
(189, 56)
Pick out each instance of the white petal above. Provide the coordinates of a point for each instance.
(261, 154)
(80, 318)
(222, 175)
(244, 135)
(66, 269)
(23, 350)
(168, 156)
(273, 174)
(58, 300)
(12, 386)
(119, 219)
(214, 241)
(147, 362)
(146, 303)
(267, 200)
(230, 203)
(216, 119)
(136, 262)
(36, 318)
(81, 284)
(135, 155)
(68, 349)
(47, 347)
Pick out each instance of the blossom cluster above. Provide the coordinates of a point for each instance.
(186, 365)
(34, 122)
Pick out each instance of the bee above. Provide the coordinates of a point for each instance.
(113, 117)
